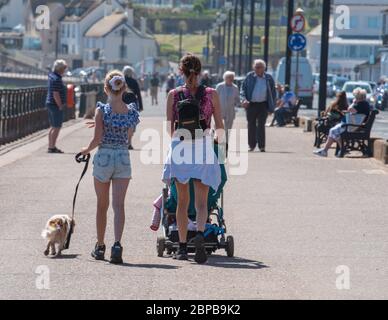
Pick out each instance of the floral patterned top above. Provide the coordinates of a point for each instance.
(206, 104)
(116, 125)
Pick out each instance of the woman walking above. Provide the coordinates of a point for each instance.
(229, 99)
(204, 170)
(56, 103)
(114, 125)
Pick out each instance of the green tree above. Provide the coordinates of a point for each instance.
(198, 7)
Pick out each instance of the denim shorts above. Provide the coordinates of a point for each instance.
(111, 162)
(55, 116)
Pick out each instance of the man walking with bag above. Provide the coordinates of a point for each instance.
(258, 97)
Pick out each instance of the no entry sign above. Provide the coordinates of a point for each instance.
(298, 23)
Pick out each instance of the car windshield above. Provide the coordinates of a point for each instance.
(351, 86)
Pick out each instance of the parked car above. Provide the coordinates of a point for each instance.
(339, 83)
(349, 87)
(305, 79)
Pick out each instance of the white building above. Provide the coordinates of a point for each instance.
(350, 47)
(12, 14)
(366, 19)
(80, 16)
(115, 41)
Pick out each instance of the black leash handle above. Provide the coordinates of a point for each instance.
(79, 158)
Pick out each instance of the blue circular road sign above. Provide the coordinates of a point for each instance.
(297, 42)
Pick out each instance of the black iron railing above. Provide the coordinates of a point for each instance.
(23, 112)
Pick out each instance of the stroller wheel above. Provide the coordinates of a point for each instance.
(160, 246)
(230, 246)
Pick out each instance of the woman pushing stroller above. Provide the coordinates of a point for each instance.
(204, 170)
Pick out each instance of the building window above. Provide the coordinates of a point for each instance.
(337, 51)
(353, 22)
(374, 23)
(365, 51)
(353, 51)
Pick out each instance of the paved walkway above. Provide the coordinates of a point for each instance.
(295, 219)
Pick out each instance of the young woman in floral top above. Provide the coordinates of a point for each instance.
(114, 125)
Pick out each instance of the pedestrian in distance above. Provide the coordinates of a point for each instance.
(155, 82)
(170, 85)
(134, 94)
(206, 80)
(229, 99)
(258, 97)
(115, 122)
(56, 103)
(146, 83)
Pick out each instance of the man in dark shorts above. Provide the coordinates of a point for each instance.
(56, 103)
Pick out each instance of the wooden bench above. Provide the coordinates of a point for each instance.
(358, 140)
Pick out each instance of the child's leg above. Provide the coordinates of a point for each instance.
(102, 192)
(120, 187)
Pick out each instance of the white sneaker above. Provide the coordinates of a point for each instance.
(321, 152)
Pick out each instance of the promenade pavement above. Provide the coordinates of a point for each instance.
(299, 223)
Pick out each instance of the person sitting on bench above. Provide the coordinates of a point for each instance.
(286, 105)
(360, 106)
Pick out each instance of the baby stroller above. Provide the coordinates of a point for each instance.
(215, 232)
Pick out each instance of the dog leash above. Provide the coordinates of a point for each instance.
(79, 158)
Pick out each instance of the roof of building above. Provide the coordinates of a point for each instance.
(317, 30)
(107, 24)
(76, 10)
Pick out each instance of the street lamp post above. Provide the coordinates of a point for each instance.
(251, 32)
(229, 37)
(218, 48)
(235, 32)
(324, 55)
(288, 49)
(247, 49)
(266, 30)
(242, 3)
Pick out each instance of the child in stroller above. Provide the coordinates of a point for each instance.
(215, 232)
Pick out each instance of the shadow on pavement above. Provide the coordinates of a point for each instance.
(234, 263)
(280, 152)
(148, 266)
(66, 256)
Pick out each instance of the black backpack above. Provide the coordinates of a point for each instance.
(189, 112)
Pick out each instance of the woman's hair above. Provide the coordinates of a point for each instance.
(191, 67)
(360, 94)
(59, 65)
(115, 82)
(340, 103)
(128, 71)
(229, 74)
